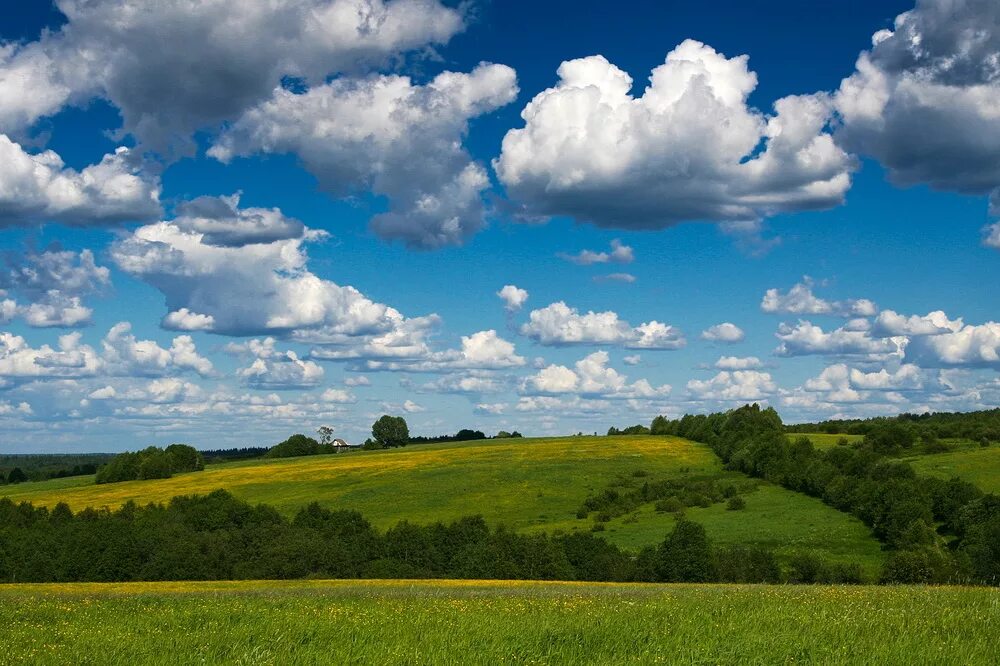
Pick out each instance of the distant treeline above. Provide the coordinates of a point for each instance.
(218, 537)
(16, 468)
(151, 463)
(938, 530)
(464, 435)
(229, 455)
(975, 426)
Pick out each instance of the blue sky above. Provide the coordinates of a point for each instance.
(310, 215)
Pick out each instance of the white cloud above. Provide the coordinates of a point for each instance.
(559, 324)
(738, 363)
(257, 288)
(389, 136)
(513, 297)
(889, 323)
(360, 380)
(339, 396)
(627, 278)
(464, 384)
(688, 149)
(923, 99)
(411, 407)
(907, 376)
(733, 385)
(221, 221)
(724, 332)
(801, 300)
(971, 345)
(19, 360)
(634, 359)
(591, 376)
(273, 369)
(491, 408)
(172, 67)
(52, 282)
(125, 355)
(36, 188)
(806, 338)
(619, 254)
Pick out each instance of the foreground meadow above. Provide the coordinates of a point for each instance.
(488, 622)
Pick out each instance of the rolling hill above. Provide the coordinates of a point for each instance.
(526, 484)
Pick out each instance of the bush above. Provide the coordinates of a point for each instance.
(984, 442)
(295, 446)
(672, 504)
(151, 463)
(685, 556)
(736, 504)
(746, 564)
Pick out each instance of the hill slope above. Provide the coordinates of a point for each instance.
(526, 484)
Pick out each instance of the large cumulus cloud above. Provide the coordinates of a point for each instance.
(689, 148)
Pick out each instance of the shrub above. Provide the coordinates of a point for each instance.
(746, 564)
(984, 442)
(295, 446)
(672, 504)
(685, 556)
(736, 504)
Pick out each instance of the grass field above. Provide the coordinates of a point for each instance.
(481, 622)
(968, 461)
(822, 440)
(526, 484)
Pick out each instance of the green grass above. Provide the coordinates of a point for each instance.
(483, 622)
(969, 461)
(530, 484)
(822, 440)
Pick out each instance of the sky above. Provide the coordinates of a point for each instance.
(224, 222)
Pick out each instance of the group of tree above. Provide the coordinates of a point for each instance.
(464, 435)
(151, 463)
(982, 426)
(218, 537)
(44, 466)
(299, 445)
(637, 429)
(937, 530)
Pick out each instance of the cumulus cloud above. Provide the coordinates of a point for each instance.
(590, 376)
(51, 283)
(634, 359)
(389, 136)
(559, 324)
(738, 363)
(889, 323)
(735, 385)
(221, 221)
(724, 332)
(627, 278)
(690, 148)
(923, 99)
(174, 67)
(513, 297)
(71, 358)
(970, 345)
(806, 338)
(256, 288)
(800, 299)
(126, 355)
(273, 369)
(619, 254)
(39, 187)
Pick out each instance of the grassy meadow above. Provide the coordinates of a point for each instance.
(822, 440)
(527, 484)
(968, 461)
(486, 622)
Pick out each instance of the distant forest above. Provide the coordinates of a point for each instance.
(975, 426)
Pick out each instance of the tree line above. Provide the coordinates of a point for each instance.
(981, 426)
(151, 463)
(937, 530)
(218, 537)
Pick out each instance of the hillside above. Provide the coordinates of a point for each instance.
(533, 484)
(968, 461)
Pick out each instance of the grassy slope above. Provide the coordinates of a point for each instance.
(968, 461)
(822, 440)
(482, 622)
(526, 484)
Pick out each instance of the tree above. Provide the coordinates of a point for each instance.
(294, 446)
(685, 556)
(391, 431)
(325, 435)
(17, 475)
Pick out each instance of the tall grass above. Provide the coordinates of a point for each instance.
(480, 622)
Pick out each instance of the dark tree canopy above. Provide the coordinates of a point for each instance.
(391, 431)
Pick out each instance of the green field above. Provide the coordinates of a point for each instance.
(483, 622)
(533, 484)
(822, 440)
(969, 461)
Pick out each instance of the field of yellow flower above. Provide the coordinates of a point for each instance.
(493, 622)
